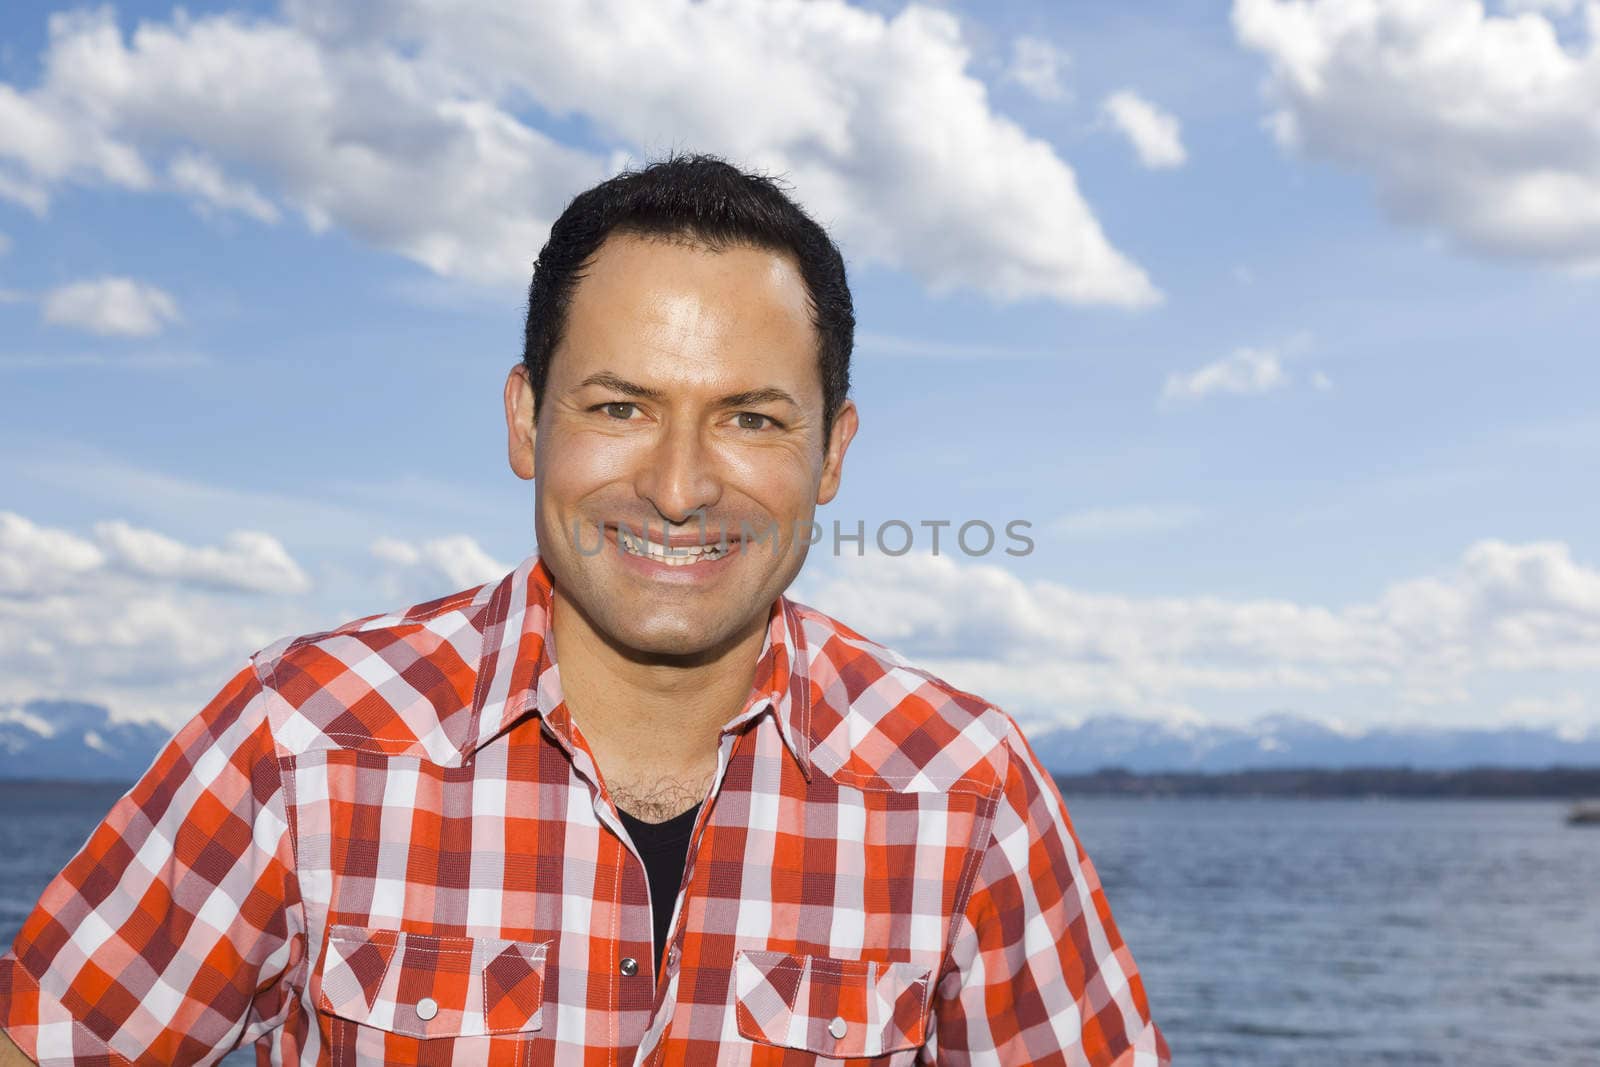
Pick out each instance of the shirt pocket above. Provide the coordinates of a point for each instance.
(425, 987)
(830, 1007)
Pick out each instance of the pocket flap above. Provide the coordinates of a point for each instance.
(828, 1006)
(425, 986)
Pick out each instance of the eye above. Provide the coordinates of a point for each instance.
(610, 409)
(754, 420)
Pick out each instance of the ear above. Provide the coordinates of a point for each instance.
(845, 424)
(519, 422)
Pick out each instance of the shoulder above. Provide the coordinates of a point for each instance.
(879, 720)
(393, 683)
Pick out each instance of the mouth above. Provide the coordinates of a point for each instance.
(673, 556)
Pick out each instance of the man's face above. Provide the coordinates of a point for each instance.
(684, 403)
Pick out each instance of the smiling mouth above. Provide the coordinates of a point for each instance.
(680, 556)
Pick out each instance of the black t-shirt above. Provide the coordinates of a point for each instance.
(664, 847)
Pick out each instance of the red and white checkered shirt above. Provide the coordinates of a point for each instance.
(389, 843)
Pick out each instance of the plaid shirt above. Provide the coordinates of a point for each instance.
(389, 843)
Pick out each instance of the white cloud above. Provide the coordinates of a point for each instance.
(1474, 124)
(1431, 646)
(110, 307)
(1154, 134)
(459, 560)
(199, 175)
(402, 128)
(148, 624)
(1036, 65)
(1247, 371)
(250, 559)
(1549, 7)
(34, 557)
(152, 626)
(136, 620)
(395, 551)
(47, 140)
(1571, 714)
(360, 137)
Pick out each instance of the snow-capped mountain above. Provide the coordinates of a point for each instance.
(75, 740)
(71, 739)
(1284, 740)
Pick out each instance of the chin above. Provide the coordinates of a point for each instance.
(668, 639)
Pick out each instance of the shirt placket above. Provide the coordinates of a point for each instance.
(629, 951)
(651, 1048)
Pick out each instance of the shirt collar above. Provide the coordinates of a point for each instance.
(518, 674)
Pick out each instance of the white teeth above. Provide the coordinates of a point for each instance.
(675, 557)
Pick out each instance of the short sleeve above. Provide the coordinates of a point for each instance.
(1040, 975)
(170, 936)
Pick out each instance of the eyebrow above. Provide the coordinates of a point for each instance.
(617, 383)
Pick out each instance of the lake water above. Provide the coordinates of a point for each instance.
(1269, 932)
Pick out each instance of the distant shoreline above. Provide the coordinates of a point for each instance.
(1532, 783)
(1506, 783)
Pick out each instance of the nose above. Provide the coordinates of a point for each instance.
(679, 475)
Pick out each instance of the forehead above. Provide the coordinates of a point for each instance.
(666, 309)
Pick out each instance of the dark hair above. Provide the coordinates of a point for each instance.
(709, 201)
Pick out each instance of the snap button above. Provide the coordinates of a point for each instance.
(837, 1027)
(427, 1008)
(629, 966)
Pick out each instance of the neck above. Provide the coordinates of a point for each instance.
(652, 723)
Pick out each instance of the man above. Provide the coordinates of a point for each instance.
(629, 803)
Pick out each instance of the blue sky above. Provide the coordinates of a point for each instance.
(1275, 321)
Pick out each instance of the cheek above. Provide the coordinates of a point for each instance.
(783, 482)
(572, 466)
